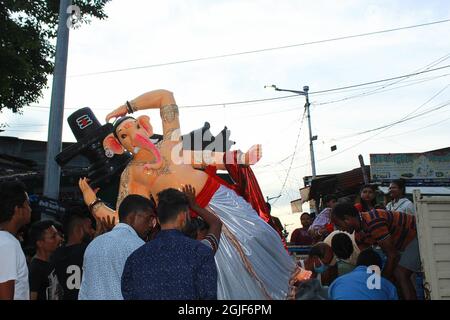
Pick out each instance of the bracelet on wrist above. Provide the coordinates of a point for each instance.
(93, 204)
(129, 107)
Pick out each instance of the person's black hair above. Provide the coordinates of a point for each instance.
(135, 203)
(38, 229)
(318, 250)
(12, 194)
(329, 197)
(59, 227)
(344, 208)
(305, 213)
(342, 245)
(191, 229)
(364, 203)
(171, 203)
(269, 207)
(369, 257)
(74, 216)
(400, 183)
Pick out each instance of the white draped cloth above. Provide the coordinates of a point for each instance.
(251, 260)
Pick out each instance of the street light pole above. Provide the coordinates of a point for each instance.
(311, 138)
(308, 114)
(271, 198)
(55, 123)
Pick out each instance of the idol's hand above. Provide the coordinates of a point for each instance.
(253, 155)
(89, 195)
(119, 112)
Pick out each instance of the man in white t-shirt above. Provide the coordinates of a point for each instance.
(15, 212)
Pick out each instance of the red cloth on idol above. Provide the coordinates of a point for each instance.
(245, 185)
(205, 195)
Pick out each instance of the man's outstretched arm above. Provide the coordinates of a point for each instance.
(215, 224)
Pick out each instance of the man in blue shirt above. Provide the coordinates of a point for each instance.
(364, 282)
(172, 266)
(105, 256)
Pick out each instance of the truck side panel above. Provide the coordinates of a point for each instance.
(433, 230)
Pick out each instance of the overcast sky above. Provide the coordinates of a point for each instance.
(142, 32)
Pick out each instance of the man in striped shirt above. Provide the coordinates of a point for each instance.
(394, 232)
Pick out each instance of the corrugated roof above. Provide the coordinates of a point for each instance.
(341, 183)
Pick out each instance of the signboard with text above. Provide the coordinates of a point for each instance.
(432, 168)
(46, 208)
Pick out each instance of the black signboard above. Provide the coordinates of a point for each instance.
(46, 208)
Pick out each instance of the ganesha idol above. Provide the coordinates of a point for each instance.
(251, 260)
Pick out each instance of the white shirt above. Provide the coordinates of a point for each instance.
(13, 265)
(402, 205)
(104, 261)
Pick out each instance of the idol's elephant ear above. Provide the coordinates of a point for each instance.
(144, 122)
(110, 142)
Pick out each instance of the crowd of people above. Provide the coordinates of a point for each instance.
(348, 237)
(152, 253)
(159, 252)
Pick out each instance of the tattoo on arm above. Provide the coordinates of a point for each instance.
(169, 113)
(172, 134)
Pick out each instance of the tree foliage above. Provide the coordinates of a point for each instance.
(27, 46)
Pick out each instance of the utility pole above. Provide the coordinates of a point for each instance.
(308, 115)
(363, 168)
(311, 138)
(55, 123)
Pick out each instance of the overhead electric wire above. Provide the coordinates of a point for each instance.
(383, 128)
(418, 129)
(382, 88)
(425, 68)
(405, 118)
(373, 82)
(249, 102)
(292, 159)
(381, 85)
(264, 49)
(221, 104)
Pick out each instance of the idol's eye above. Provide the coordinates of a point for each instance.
(138, 126)
(123, 136)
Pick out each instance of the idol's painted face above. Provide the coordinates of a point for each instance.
(134, 136)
